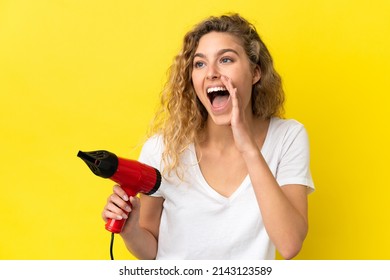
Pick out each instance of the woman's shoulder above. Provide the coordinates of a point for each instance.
(154, 142)
(285, 125)
(286, 131)
(152, 146)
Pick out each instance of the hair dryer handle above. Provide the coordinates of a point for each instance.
(115, 226)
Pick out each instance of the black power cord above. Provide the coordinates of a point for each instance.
(112, 246)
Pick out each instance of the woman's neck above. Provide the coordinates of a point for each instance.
(218, 136)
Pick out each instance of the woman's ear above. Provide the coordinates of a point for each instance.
(256, 74)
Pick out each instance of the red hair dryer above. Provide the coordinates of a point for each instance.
(134, 177)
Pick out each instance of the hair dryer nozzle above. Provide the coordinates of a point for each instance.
(102, 163)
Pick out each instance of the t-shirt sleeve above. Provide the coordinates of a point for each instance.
(294, 165)
(151, 155)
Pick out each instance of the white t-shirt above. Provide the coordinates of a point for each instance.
(199, 223)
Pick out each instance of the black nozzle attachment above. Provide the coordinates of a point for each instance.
(102, 163)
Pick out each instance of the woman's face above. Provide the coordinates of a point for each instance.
(222, 54)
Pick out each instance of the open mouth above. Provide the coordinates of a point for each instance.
(218, 96)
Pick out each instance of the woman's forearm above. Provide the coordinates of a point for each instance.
(141, 243)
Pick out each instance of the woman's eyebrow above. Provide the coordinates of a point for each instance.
(201, 55)
(223, 51)
(220, 52)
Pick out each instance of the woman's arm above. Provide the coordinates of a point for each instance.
(284, 209)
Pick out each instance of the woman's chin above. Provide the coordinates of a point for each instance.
(221, 120)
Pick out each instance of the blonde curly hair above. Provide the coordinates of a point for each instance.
(181, 117)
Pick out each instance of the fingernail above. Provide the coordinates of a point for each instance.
(124, 216)
(125, 198)
(119, 217)
(128, 209)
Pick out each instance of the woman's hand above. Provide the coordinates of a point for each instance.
(119, 206)
(242, 133)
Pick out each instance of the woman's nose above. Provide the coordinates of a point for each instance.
(213, 73)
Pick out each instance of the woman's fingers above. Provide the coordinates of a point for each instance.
(120, 192)
(117, 206)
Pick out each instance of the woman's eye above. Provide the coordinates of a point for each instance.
(198, 64)
(226, 60)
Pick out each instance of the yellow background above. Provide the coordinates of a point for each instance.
(86, 75)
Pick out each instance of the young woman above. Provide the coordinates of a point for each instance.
(236, 175)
